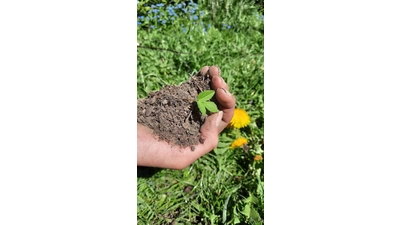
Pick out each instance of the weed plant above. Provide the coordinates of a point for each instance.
(175, 42)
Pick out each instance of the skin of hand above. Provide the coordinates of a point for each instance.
(155, 153)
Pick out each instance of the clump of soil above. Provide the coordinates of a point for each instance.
(172, 112)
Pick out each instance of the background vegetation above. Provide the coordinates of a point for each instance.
(176, 39)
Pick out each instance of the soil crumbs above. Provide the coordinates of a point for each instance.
(172, 112)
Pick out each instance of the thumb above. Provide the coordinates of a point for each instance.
(209, 131)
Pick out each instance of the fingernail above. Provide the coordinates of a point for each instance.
(204, 70)
(219, 118)
(226, 92)
(219, 70)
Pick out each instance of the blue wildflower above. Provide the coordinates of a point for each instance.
(171, 12)
(163, 21)
(184, 30)
(160, 5)
(152, 26)
(138, 23)
(195, 17)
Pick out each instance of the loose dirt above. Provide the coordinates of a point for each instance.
(172, 112)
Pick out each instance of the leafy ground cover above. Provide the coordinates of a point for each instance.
(175, 41)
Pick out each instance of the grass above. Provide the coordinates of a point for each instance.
(226, 185)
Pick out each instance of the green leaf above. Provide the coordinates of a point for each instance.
(211, 106)
(220, 151)
(252, 199)
(254, 214)
(201, 107)
(246, 210)
(205, 95)
(236, 221)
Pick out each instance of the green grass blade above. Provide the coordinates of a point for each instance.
(225, 209)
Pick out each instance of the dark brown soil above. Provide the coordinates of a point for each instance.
(172, 112)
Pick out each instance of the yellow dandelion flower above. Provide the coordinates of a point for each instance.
(258, 158)
(238, 142)
(240, 119)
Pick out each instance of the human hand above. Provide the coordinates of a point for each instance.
(156, 153)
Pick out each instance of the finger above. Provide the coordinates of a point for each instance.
(204, 70)
(209, 132)
(218, 82)
(226, 102)
(214, 71)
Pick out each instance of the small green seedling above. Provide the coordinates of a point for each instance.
(203, 103)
